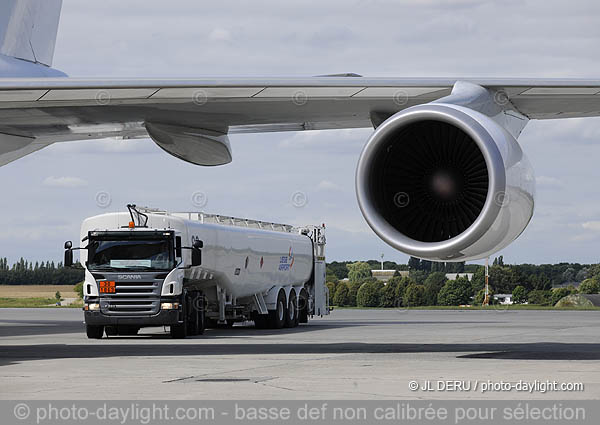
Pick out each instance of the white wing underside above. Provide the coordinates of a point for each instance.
(36, 112)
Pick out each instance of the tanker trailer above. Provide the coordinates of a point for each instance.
(192, 270)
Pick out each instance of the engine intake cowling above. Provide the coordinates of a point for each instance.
(444, 182)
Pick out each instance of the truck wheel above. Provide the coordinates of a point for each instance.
(192, 313)
(291, 318)
(179, 331)
(201, 318)
(277, 316)
(303, 307)
(94, 332)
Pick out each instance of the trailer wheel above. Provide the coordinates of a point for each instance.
(303, 307)
(94, 332)
(277, 317)
(291, 318)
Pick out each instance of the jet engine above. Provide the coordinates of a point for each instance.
(444, 182)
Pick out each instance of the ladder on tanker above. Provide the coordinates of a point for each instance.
(226, 220)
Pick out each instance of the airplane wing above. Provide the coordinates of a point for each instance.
(192, 118)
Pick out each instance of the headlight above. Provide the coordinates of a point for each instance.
(91, 307)
(169, 306)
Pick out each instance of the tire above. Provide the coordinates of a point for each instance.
(291, 317)
(261, 321)
(111, 331)
(277, 316)
(201, 318)
(303, 307)
(94, 332)
(179, 331)
(192, 316)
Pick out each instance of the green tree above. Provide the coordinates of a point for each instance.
(594, 270)
(569, 275)
(455, 267)
(519, 295)
(478, 280)
(582, 275)
(414, 263)
(503, 278)
(341, 297)
(414, 295)
(589, 286)
(558, 293)
(358, 271)
(455, 292)
(369, 294)
(539, 297)
(339, 269)
(418, 276)
(353, 288)
(331, 276)
(389, 293)
(57, 296)
(433, 284)
(332, 287)
(480, 296)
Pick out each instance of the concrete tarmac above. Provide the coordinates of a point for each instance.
(352, 354)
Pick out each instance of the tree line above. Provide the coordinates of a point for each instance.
(427, 285)
(25, 272)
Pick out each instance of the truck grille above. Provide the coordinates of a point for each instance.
(128, 306)
(133, 298)
(136, 288)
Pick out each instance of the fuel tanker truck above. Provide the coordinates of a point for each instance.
(192, 270)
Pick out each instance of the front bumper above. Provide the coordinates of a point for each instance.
(163, 318)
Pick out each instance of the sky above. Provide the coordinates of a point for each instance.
(308, 177)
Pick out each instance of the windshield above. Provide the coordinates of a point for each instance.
(133, 253)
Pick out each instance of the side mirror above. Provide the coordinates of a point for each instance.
(196, 257)
(198, 244)
(68, 245)
(178, 246)
(68, 257)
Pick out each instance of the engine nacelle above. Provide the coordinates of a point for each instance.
(444, 182)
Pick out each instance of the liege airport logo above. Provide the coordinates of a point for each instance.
(286, 262)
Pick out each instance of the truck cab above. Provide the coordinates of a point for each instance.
(129, 269)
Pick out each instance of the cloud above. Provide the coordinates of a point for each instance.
(64, 182)
(219, 34)
(591, 225)
(327, 185)
(549, 182)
